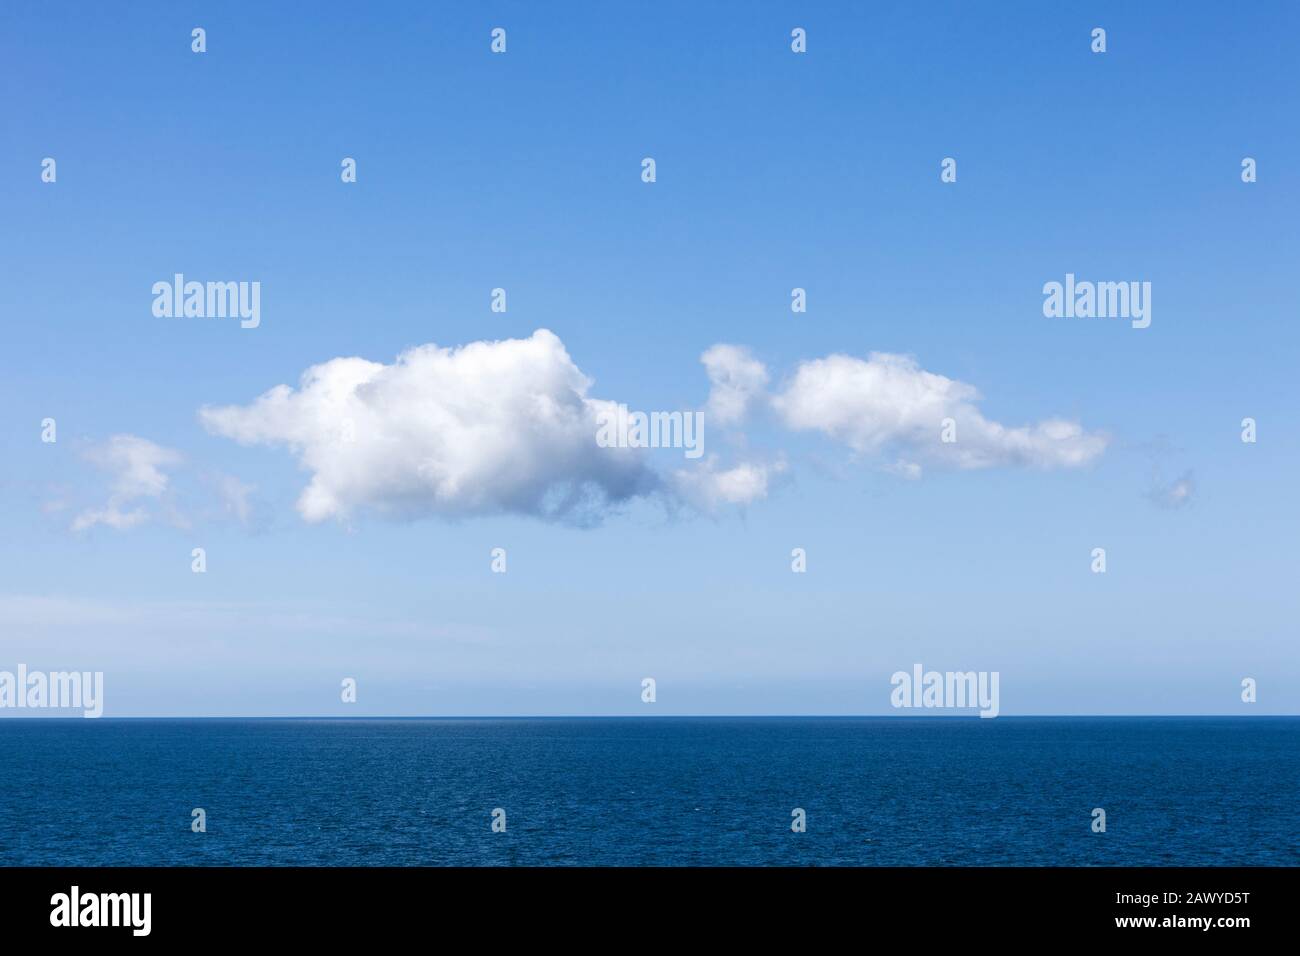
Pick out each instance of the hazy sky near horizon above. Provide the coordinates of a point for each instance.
(371, 557)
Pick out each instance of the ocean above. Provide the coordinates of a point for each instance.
(651, 791)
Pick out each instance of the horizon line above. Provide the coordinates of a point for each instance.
(964, 716)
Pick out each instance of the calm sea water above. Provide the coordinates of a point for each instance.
(651, 791)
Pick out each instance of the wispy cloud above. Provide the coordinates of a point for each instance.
(139, 475)
(1174, 494)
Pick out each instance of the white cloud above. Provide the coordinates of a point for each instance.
(709, 486)
(509, 427)
(737, 381)
(136, 465)
(888, 402)
(487, 428)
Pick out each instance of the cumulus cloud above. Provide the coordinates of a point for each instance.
(737, 380)
(486, 428)
(137, 466)
(509, 427)
(889, 403)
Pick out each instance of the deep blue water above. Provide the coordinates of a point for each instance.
(901, 791)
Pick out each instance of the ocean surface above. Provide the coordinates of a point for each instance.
(660, 791)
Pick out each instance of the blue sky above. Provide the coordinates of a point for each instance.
(774, 171)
